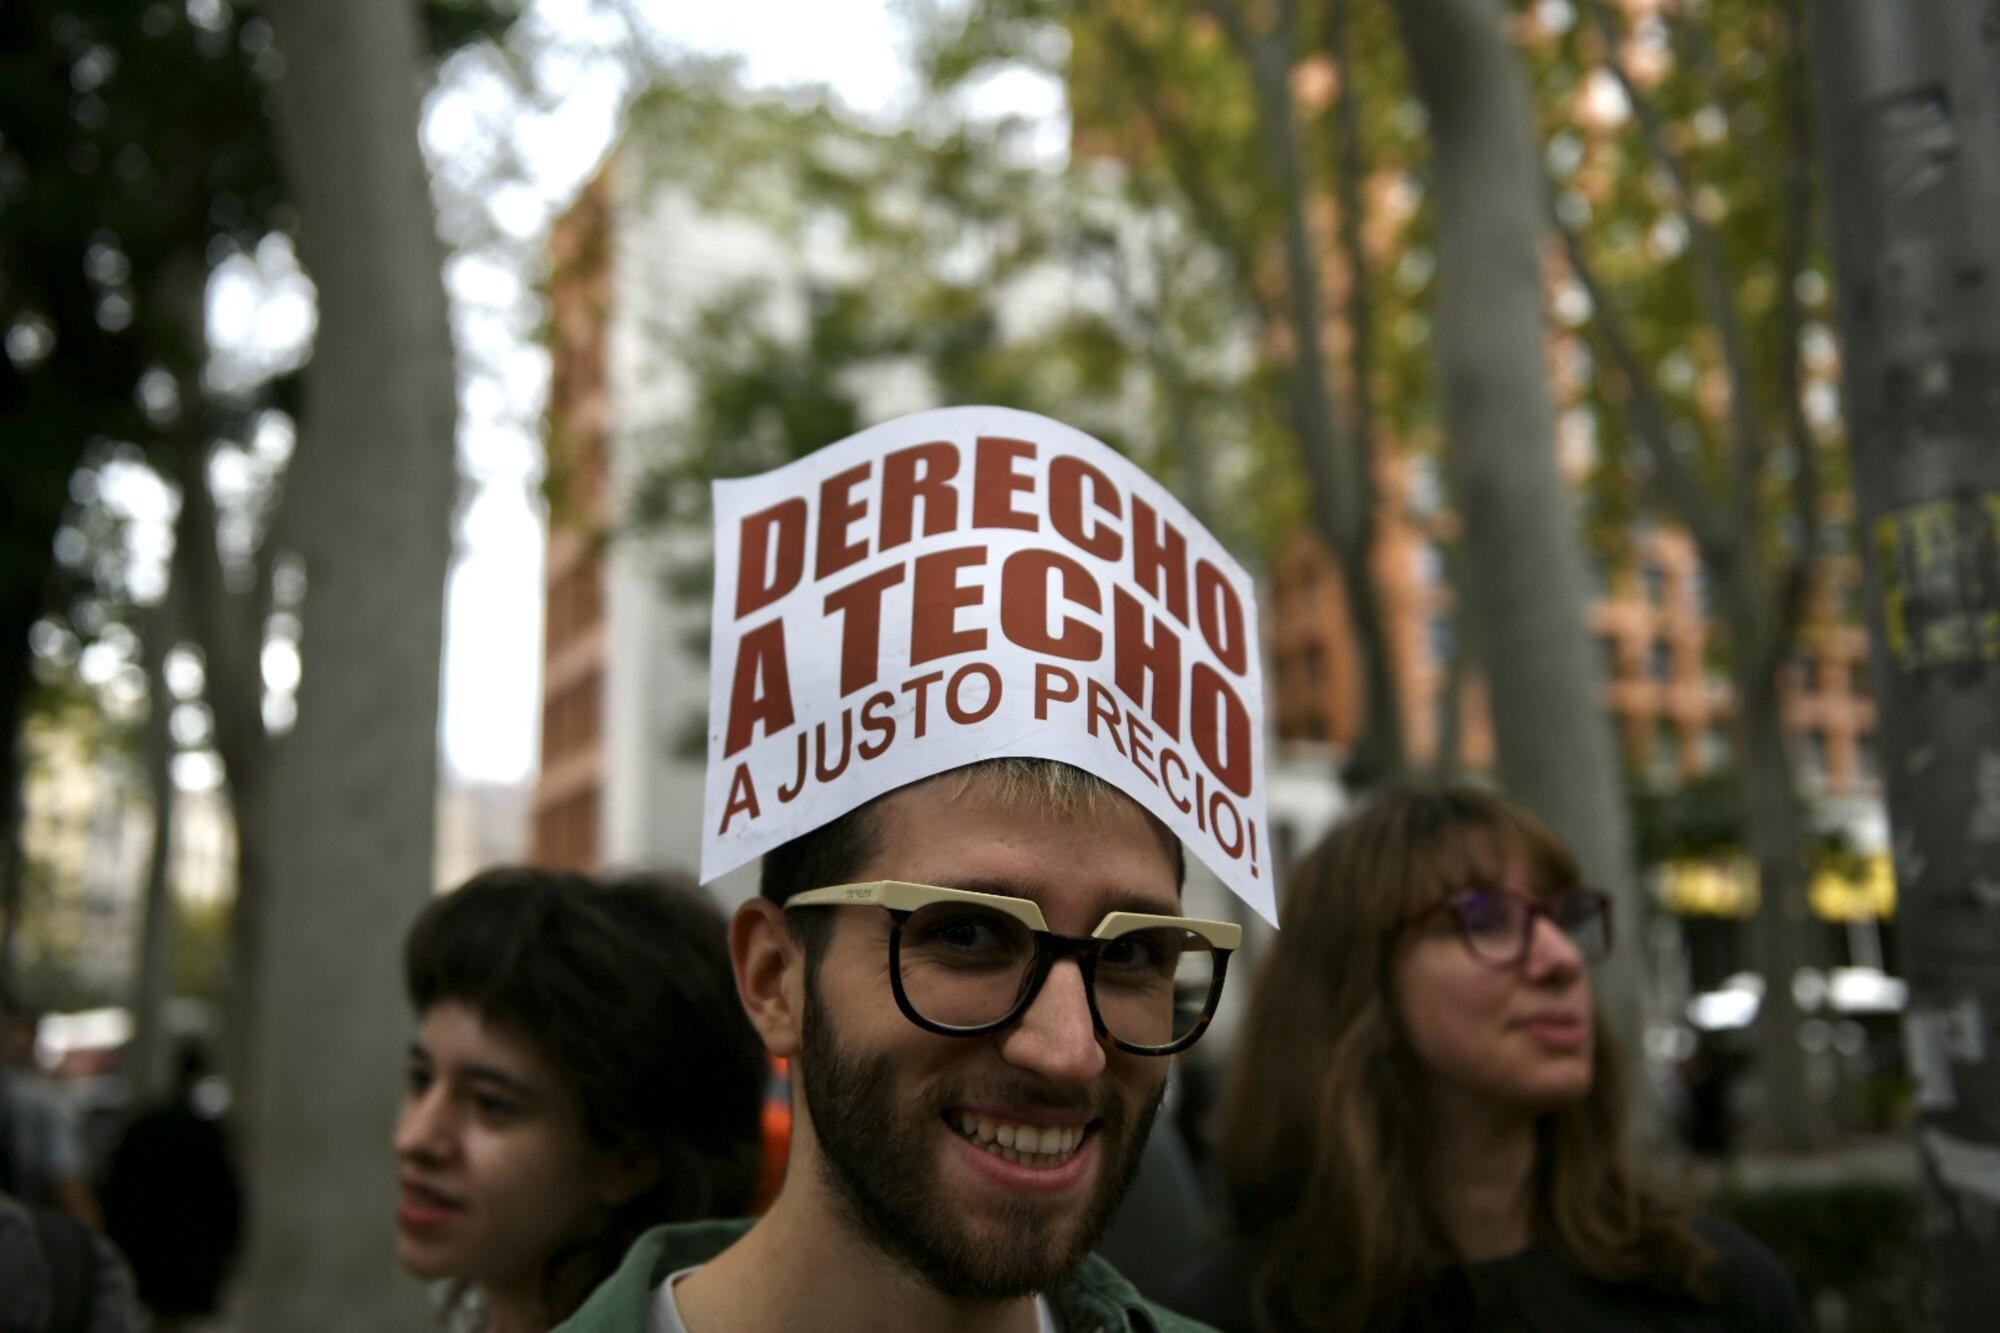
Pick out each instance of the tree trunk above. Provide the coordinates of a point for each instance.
(15, 674)
(1910, 117)
(145, 1062)
(1523, 570)
(1774, 834)
(352, 791)
(228, 627)
(1340, 475)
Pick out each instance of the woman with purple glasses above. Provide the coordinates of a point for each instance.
(1425, 1126)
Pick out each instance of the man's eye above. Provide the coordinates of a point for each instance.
(962, 933)
(417, 1080)
(965, 934)
(1134, 951)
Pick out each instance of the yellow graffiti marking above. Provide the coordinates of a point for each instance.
(1940, 574)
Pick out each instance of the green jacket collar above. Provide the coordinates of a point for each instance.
(1095, 1300)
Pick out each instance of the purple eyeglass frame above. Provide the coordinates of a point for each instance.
(1538, 906)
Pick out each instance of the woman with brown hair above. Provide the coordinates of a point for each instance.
(1424, 1130)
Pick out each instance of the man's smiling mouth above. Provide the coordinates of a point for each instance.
(1040, 1146)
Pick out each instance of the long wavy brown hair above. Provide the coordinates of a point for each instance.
(1324, 1128)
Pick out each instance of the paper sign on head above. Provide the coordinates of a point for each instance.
(969, 584)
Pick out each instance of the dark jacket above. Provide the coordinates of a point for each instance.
(1095, 1300)
(1529, 1292)
(59, 1276)
(174, 1204)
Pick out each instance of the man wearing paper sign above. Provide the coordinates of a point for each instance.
(977, 683)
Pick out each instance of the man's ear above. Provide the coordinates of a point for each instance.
(770, 974)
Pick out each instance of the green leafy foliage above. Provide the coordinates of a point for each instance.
(949, 269)
(137, 151)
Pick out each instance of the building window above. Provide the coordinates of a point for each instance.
(1867, 763)
(1660, 661)
(1715, 747)
(1703, 597)
(1596, 579)
(1664, 762)
(1427, 565)
(1426, 488)
(1443, 642)
(1654, 580)
(1607, 651)
(1815, 754)
(1846, 599)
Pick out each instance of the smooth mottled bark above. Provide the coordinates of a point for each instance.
(1910, 120)
(1522, 577)
(349, 806)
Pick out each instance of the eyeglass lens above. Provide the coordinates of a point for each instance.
(966, 966)
(1497, 927)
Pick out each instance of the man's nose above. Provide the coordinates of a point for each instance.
(1055, 1037)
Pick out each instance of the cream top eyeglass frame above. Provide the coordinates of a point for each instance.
(900, 898)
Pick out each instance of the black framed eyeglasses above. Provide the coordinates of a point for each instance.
(966, 964)
(1498, 925)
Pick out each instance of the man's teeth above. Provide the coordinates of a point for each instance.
(1029, 1145)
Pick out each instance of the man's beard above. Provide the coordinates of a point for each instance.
(876, 1155)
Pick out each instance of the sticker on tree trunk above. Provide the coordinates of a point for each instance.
(968, 584)
(1940, 570)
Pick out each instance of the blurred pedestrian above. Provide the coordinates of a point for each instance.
(1708, 1125)
(173, 1200)
(1424, 1130)
(59, 1276)
(42, 1159)
(581, 1072)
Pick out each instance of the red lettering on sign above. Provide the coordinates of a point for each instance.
(954, 703)
(823, 770)
(761, 690)
(876, 724)
(860, 608)
(1136, 658)
(1045, 694)
(771, 554)
(1067, 474)
(789, 791)
(1024, 605)
(742, 798)
(1221, 615)
(920, 472)
(934, 631)
(837, 511)
(994, 481)
(1221, 727)
(1103, 705)
(1139, 739)
(1159, 552)
(921, 687)
(1218, 805)
(1181, 802)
